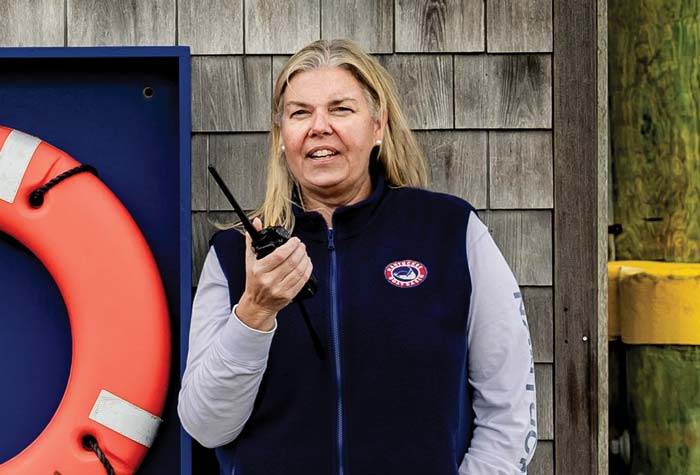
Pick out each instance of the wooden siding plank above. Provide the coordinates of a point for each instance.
(370, 23)
(424, 84)
(114, 22)
(604, 188)
(200, 175)
(520, 169)
(32, 23)
(457, 163)
(503, 91)
(447, 26)
(202, 231)
(540, 317)
(278, 63)
(544, 381)
(230, 93)
(576, 251)
(525, 239)
(273, 27)
(240, 160)
(211, 26)
(543, 461)
(519, 26)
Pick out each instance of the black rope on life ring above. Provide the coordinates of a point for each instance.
(90, 443)
(36, 198)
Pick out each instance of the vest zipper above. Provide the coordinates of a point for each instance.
(335, 331)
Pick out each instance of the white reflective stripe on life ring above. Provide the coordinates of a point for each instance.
(15, 155)
(124, 418)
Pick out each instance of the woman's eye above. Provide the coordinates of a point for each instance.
(298, 113)
(342, 109)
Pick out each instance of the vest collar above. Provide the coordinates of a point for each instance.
(348, 221)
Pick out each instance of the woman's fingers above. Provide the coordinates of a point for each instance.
(250, 253)
(273, 281)
(278, 257)
(292, 260)
(281, 277)
(292, 283)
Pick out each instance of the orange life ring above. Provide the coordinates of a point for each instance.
(116, 304)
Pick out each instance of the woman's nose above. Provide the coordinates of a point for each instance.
(320, 124)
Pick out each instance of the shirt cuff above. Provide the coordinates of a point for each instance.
(244, 344)
(479, 462)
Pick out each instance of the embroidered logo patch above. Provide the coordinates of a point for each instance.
(406, 273)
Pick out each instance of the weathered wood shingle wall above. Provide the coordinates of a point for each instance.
(476, 78)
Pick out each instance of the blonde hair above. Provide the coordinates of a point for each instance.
(399, 153)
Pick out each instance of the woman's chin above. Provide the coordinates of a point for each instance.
(325, 178)
(326, 187)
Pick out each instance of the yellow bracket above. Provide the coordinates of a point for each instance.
(654, 303)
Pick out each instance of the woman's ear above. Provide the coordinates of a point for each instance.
(380, 125)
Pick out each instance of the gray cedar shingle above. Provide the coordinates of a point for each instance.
(274, 27)
(114, 22)
(543, 461)
(230, 93)
(540, 317)
(278, 63)
(200, 157)
(211, 26)
(202, 231)
(370, 23)
(544, 382)
(424, 84)
(519, 26)
(457, 163)
(240, 159)
(520, 169)
(503, 91)
(525, 239)
(32, 23)
(441, 27)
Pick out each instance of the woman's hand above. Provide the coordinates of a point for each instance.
(272, 282)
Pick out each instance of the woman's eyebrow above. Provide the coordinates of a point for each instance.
(334, 102)
(296, 104)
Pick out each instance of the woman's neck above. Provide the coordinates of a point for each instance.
(326, 205)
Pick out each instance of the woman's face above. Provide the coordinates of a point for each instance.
(328, 133)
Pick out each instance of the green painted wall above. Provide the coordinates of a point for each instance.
(654, 64)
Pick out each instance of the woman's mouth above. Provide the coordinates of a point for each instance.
(321, 153)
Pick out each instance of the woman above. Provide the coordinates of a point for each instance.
(424, 365)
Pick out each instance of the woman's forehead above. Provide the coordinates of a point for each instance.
(323, 85)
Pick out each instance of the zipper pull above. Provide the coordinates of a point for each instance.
(331, 244)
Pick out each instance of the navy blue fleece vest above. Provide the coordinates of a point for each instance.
(391, 397)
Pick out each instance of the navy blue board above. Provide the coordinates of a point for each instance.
(125, 111)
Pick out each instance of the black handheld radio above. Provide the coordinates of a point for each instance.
(266, 240)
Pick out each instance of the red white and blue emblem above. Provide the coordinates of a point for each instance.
(406, 273)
